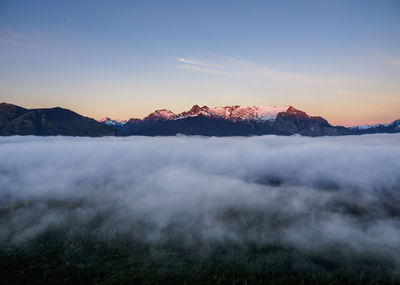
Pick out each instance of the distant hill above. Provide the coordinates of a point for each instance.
(15, 120)
(393, 127)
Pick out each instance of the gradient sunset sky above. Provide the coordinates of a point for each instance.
(123, 59)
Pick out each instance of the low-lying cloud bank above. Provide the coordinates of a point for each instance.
(338, 194)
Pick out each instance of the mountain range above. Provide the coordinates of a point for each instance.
(219, 121)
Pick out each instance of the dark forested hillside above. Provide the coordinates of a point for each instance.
(15, 120)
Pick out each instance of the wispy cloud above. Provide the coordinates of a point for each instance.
(192, 62)
(31, 39)
(198, 66)
(250, 71)
(18, 39)
(253, 71)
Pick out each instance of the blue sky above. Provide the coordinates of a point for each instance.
(337, 59)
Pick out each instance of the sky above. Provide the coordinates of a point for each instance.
(122, 59)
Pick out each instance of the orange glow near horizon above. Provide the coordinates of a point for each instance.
(344, 119)
(327, 58)
(335, 114)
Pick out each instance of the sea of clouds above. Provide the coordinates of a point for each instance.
(328, 193)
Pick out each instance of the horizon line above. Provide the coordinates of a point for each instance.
(133, 117)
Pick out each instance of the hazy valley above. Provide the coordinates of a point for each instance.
(204, 210)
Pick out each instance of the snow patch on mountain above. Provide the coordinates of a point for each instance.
(162, 114)
(395, 124)
(235, 113)
(111, 122)
(232, 113)
(262, 113)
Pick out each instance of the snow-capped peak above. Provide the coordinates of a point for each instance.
(232, 113)
(162, 114)
(109, 121)
(395, 124)
(262, 113)
(236, 113)
(196, 110)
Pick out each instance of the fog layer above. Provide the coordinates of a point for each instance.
(334, 194)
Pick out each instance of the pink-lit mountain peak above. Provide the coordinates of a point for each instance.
(294, 111)
(196, 110)
(111, 122)
(232, 113)
(238, 113)
(162, 114)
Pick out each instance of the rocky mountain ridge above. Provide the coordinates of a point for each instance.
(219, 121)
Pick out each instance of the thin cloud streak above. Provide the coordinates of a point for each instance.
(194, 62)
(30, 40)
(246, 70)
(200, 69)
(199, 66)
